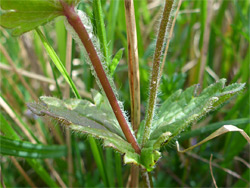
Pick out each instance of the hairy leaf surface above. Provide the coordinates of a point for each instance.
(96, 119)
(179, 111)
(182, 109)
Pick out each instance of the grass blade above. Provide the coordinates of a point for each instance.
(118, 169)
(57, 62)
(224, 129)
(37, 166)
(6, 129)
(98, 159)
(101, 32)
(112, 19)
(29, 150)
(61, 36)
(213, 127)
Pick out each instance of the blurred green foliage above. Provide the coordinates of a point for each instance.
(228, 57)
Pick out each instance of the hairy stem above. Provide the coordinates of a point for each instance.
(154, 82)
(75, 21)
(170, 37)
(205, 45)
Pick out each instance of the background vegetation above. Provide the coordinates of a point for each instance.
(27, 73)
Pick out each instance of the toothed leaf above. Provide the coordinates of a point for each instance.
(183, 108)
(179, 111)
(83, 117)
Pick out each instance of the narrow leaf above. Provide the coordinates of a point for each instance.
(241, 123)
(115, 61)
(29, 150)
(220, 131)
(58, 62)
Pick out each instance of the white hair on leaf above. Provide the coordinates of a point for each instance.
(89, 28)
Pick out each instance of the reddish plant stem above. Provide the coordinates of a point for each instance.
(75, 21)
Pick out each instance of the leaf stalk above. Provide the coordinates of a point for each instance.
(75, 21)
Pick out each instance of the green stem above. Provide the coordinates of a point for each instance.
(156, 69)
(97, 5)
(75, 21)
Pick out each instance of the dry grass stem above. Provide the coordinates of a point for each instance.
(29, 57)
(14, 85)
(32, 140)
(134, 79)
(211, 170)
(205, 44)
(189, 11)
(66, 94)
(176, 178)
(212, 73)
(1, 177)
(25, 84)
(232, 173)
(133, 64)
(42, 79)
(243, 161)
(55, 173)
(154, 4)
(40, 133)
(13, 116)
(21, 170)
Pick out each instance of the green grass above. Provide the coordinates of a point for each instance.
(228, 57)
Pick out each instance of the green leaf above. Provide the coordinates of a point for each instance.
(101, 32)
(182, 109)
(6, 129)
(29, 150)
(179, 111)
(83, 117)
(37, 166)
(58, 63)
(115, 61)
(23, 16)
